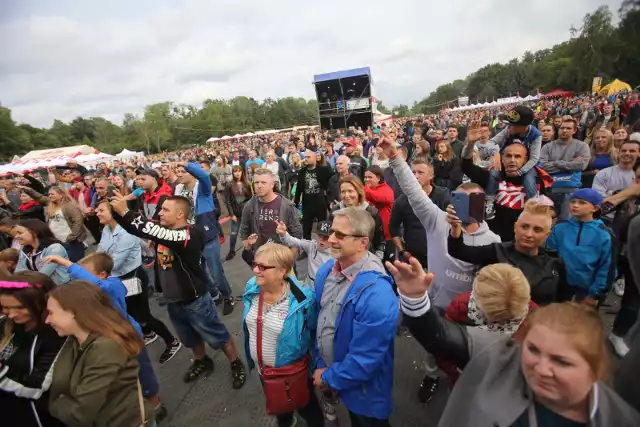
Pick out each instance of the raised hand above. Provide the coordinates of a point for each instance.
(412, 280)
(57, 259)
(281, 229)
(454, 222)
(473, 134)
(387, 144)
(118, 203)
(251, 240)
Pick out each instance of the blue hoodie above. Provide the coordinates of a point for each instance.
(586, 248)
(295, 340)
(204, 206)
(112, 286)
(363, 344)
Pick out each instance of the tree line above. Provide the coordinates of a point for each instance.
(596, 48)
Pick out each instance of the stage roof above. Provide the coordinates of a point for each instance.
(364, 71)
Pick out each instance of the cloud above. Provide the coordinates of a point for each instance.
(74, 60)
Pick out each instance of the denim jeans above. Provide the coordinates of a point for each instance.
(528, 182)
(235, 225)
(217, 280)
(198, 321)
(75, 250)
(561, 204)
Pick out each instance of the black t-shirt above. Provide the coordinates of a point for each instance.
(268, 215)
(545, 417)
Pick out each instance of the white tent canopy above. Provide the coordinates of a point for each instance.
(497, 103)
(57, 152)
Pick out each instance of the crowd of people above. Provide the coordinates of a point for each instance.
(491, 237)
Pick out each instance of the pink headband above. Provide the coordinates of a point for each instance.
(17, 285)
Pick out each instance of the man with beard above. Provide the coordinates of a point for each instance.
(357, 164)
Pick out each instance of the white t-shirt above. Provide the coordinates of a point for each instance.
(59, 226)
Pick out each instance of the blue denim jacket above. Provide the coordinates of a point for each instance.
(57, 273)
(123, 247)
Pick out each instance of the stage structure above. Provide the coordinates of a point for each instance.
(345, 98)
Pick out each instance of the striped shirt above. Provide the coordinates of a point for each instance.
(273, 317)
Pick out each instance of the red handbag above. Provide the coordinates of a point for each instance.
(286, 388)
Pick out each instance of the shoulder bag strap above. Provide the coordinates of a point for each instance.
(259, 330)
(141, 403)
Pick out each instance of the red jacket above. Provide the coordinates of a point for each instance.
(381, 197)
(75, 195)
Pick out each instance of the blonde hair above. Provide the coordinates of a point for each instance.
(610, 148)
(51, 207)
(449, 154)
(278, 255)
(357, 185)
(502, 292)
(536, 207)
(583, 329)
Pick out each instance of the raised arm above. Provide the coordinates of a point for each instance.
(203, 178)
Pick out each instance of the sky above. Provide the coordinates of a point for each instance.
(67, 58)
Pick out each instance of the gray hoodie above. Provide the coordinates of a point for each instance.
(453, 276)
(315, 255)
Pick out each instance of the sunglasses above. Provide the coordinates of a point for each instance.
(341, 236)
(261, 267)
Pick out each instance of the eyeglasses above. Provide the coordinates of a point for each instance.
(261, 267)
(341, 236)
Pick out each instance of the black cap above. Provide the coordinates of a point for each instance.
(150, 172)
(322, 228)
(519, 116)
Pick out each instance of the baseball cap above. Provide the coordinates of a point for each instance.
(588, 195)
(351, 142)
(519, 116)
(149, 172)
(323, 228)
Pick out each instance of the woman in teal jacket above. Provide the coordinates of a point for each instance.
(289, 319)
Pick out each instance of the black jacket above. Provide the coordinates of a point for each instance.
(392, 181)
(358, 166)
(447, 174)
(323, 174)
(505, 216)
(333, 188)
(545, 272)
(413, 232)
(17, 377)
(233, 206)
(179, 271)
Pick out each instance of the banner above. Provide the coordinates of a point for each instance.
(596, 85)
(463, 101)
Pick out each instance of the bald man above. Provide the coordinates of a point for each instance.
(313, 182)
(342, 170)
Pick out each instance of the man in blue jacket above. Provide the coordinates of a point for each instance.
(357, 317)
(195, 185)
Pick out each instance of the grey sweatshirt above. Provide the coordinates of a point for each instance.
(315, 255)
(453, 276)
(559, 156)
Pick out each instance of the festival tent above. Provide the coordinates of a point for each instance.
(52, 153)
(126, 154)
(212, 139)
(614, 87)
(558, 92)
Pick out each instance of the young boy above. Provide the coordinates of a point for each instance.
(586, 246)
(96, 268)
(519, 131)
(317, 250)
(9, 259)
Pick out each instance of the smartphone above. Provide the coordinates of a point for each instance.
(110, 191)
(476, 207)
(460, 202)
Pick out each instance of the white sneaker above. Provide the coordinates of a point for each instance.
(619, 345)
(618, 287)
